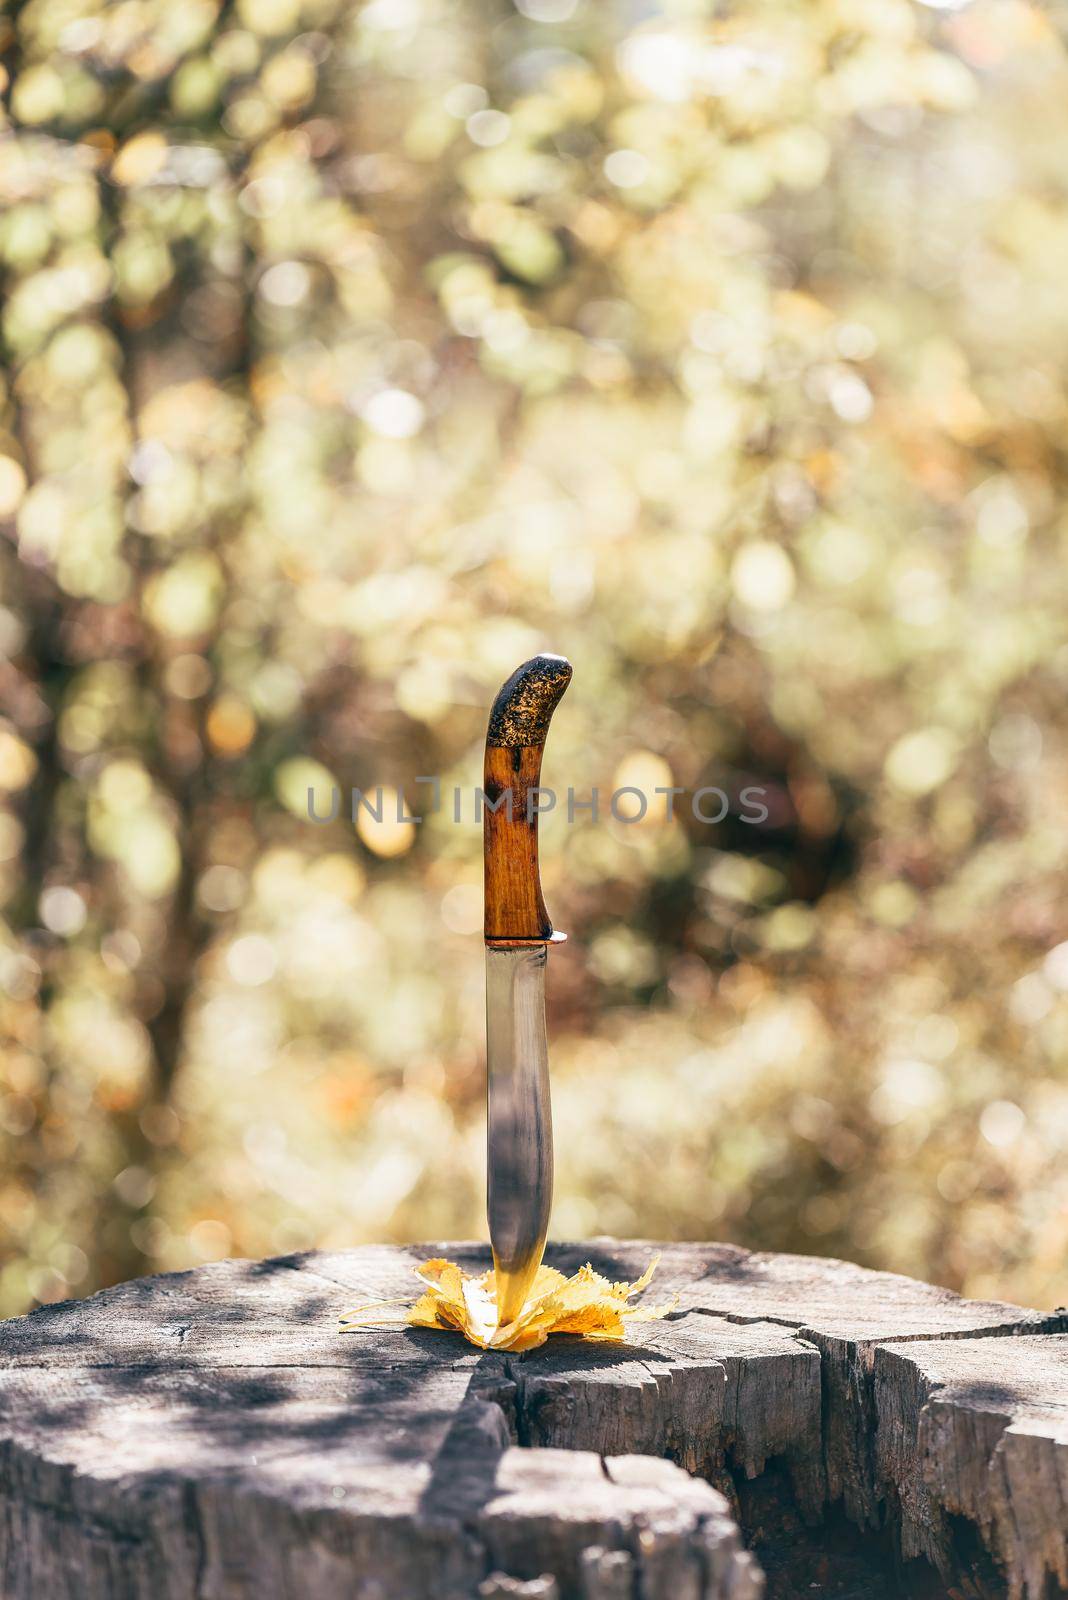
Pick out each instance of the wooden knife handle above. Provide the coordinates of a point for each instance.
(515, 739)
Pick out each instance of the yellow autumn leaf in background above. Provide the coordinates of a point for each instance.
(586, 1304)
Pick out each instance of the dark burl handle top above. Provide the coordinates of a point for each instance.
(515, 739)
(524, 706)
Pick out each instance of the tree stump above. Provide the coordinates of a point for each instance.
(211, 1434)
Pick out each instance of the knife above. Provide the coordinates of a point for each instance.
(519, 1164)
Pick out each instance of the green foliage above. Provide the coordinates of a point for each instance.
(353, 353)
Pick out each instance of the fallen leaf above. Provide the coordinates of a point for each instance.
(455, 1301)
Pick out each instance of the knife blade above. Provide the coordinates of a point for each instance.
(519, 1168)
(519, 1152)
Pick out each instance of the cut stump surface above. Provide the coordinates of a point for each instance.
(211, 1434)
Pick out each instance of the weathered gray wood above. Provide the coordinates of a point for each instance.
(978, 1428)
(211, 1434)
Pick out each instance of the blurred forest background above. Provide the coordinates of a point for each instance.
(354, 352)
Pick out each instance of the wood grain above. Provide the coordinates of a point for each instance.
(210, 1434)
(518, 724)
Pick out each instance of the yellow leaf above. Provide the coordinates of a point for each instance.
(586, 1304)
